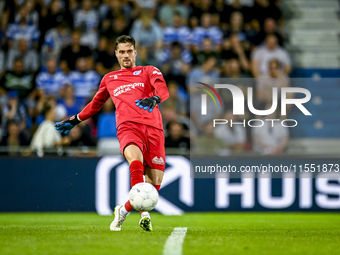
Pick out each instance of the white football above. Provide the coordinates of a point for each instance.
(143, 197)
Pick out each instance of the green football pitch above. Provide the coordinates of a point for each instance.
(207, 233)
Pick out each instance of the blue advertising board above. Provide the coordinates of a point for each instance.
(98, 184)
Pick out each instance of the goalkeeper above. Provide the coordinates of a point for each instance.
(136, 92)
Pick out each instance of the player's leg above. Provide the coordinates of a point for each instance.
(154, 177)
(134, 157)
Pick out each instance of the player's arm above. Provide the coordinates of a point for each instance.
(162, 93)
(91, 109)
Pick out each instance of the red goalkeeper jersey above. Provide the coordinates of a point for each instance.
(125, 87)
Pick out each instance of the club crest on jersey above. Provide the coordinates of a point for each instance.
(137, 72)
(158, 161)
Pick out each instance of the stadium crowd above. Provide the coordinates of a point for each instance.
(54, 53)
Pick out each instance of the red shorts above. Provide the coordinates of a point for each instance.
(150, 140)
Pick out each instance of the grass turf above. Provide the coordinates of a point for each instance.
(208, 233)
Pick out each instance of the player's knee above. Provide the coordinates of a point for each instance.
(132, 153)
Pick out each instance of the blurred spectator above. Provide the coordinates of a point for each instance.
(265, 9)
(50, 82)
(175, 139)
(269, 27)
(13, 139)
(55, 40)
(69, 101)
(272, 137)
(84, 80)
(46, 137)
(233, 135)
(60, 110)
(176, 63)
(197, 118)
(105, 56)
(79, 137)
(232, 72)
(8, 14)
(175, 101)
(30, 14)
(29, 57)
(55, 15)
(107, 121)
(202, 74)
(236, 27)
(18, 80)
(23, 29)
(206, 30)
(116, 28)
(231, 69)
(262, 55)
(275, 79)
(147, 32)
(219, 17)
(207, 144)
(177, 32)
(13, 111)
(198, 8)
(86, 19)
(236, 6)
(168, 10)
(70, 54)
(143, 57)
(207, 51)
(195, 13)
(113, 10)
(207, 6)
(117, 9)
(233, 48)
(207, 70)
(73, 6)
(169, 115)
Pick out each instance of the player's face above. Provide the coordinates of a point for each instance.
(126, 55)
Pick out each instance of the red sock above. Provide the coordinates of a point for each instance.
(136, 174)
(128, 206)
(157, 187)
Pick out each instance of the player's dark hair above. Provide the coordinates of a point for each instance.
(126, 39)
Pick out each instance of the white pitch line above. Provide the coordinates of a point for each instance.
(174, 243)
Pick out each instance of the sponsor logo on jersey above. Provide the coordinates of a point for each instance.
(115, 76)
(158, 161)
(125, 88)
(137, 72)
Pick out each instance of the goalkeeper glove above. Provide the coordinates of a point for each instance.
(65, 126)
(148, 103)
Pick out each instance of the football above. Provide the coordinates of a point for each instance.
(143, 197)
